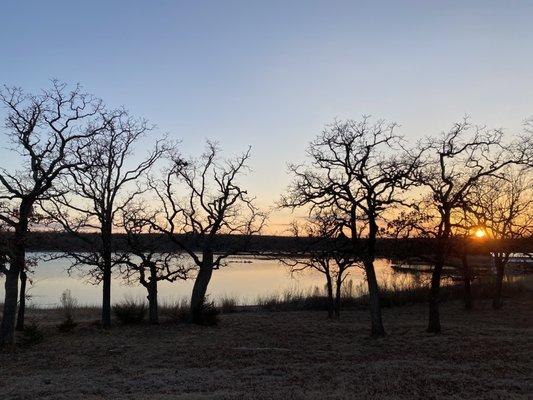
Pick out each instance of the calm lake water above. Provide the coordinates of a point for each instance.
(242, 279)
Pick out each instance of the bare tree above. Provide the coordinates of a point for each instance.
(145, 262)
(44, 130)
(350, 172)
(452, 165)
(327, 251)
(503, 208)
(104, 181)
(202, 201)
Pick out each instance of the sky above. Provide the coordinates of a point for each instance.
(271, 74)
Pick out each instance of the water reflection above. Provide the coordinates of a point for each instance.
(246, 281)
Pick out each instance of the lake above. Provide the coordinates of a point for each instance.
(245, 278)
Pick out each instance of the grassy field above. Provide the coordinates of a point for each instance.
(282, 355)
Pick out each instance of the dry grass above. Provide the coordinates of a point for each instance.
(398, 292)
(300, 355)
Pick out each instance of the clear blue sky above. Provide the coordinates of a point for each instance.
(271, 73)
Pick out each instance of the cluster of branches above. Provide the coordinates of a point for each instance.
(43, 132)
(357, 171)
(213, 204)
(446, 187)
(78, 173)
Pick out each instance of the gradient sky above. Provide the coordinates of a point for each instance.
(270, 74)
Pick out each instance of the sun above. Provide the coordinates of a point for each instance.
(480, 233)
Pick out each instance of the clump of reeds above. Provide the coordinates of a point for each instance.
(130, 311)
(68, 305)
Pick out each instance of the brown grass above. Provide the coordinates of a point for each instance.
(483, 354)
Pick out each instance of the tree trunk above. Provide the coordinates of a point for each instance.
(152, 298)
(107, 248)
(467, 276)
(106, 298)
(200, 288)
(434, 291)
(497, 302)
(338, 298)
(434, 298)
(7, 329)
(329, 287)
(377, 329)
(22, 301)
(16, 266)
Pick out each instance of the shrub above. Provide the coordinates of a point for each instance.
(32, 335)
(130, 312)
(68, 304)
(209, 313)
(67, 325)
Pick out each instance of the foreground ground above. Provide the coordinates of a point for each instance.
(284, 355)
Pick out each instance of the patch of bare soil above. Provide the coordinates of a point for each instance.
(483, 354)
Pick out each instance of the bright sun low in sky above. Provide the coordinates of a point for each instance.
(480, 233)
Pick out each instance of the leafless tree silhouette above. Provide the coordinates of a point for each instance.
(503, 208)
(353, 169)
(144, 261)
(44, 131)
(201, 200)
(103, 182)
(453, 164)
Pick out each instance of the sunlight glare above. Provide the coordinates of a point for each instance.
(480, 233)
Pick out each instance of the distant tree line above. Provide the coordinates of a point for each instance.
(78, 186)
(275, 246)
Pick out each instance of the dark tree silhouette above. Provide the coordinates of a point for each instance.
(354, 170)
(44, 130)
(144, 261)
(328, 252)
(201, 200)
(104, 181)
(503, 208)
(453, 164)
